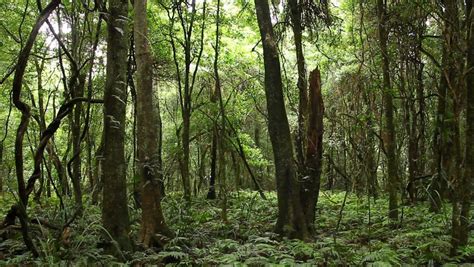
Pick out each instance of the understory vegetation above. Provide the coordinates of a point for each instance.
(353, 231)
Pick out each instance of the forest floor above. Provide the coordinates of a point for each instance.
(362, 237)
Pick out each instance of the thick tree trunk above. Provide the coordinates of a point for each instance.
(153, 221)
(114, 205)
(314, 151)
(291, 221)
(389, 127)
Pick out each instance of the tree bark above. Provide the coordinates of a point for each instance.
(153, 221)
(2, 168)
(447, 132)
(76, 177)
(114, 205)
(314, 151)
(461, 218)
(295, 12)
(98, 172)
(291, 221)
(218, 134)
(389, 127)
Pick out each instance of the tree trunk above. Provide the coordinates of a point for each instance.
(217, 136)
(418, 116)
(370, 158)
(153, 221)
(295, 13)
(2, 168)
(98, 172)
(77, 91)
(314, 150)
(211, 193)
(185, 136)
(114, 205)
(461, 207)
(448, 158)
(389, 129)
(291, 221)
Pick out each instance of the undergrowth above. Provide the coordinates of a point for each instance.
(359, 235)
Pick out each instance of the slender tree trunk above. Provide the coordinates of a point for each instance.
(211, 194)
(98, 172)
(217, 137)
(413, 136)
(76, 86)
(438, 183)
(77, 91)
(418, 136)
(114, 205)
(153, 221)
(2, 168)
(20, 209)
(447, 131)
(461, 218)
(295, 12)
(161, 178)
(90, 168)
(40, 118)
(370, 158)
(291, 221)
(389, 128)
(185, 136)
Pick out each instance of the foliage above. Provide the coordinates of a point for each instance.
(203, 238)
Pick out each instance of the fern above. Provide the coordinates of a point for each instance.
(382, 256)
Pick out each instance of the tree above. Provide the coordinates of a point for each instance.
(291, 221)
(216, 96)
(461, 218)
(114, 204)
(149, 169)
(297, 27)
(314, 150)
(2, 173)
(187, 13)
(447, 146)
(389, 128)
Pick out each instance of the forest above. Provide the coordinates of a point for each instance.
(236, 132)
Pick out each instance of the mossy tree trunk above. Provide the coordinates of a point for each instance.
(114, 204)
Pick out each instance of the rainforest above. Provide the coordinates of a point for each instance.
(236, 132)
